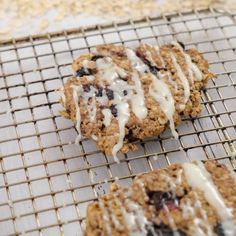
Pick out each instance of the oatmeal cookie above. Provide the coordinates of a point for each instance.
(183, 199)
(119, 95)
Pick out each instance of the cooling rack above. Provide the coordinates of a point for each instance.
(46, 180)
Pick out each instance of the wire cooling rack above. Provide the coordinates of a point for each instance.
(46, 180)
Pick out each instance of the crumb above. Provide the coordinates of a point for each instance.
(116, 178)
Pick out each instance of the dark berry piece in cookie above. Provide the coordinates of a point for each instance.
(130, 136)
(219, 230)
(152, 69)
(94, 58)
(83, 71)
(125, 92)
(147, 62)
(159, 199)
(161, 68)
(86, 88)
(109, 94)
(98, 93)
(123, 78)
(113, 110)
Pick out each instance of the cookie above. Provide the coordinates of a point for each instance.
(119, 95)
(183, 199)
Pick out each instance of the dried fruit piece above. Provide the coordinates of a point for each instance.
(113, 110)
(159, 199)
(82, 72)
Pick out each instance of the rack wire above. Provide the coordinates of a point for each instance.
(46, 180)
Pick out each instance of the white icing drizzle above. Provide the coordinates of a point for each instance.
(130, 220)
(90, 99)
(103, 100)
(203, 213)
(192, 67)
(138, 100)
(179, 177)
(138, 212)
(183, 79)
(166, 73)
(114, 219)
(92, 109)
(162, 94)
(106, 217)
(189, 211)
(133, 214)
(170, 182)
(149, 56)
(157, 50)
(136, 62)
(109, 71)
(123, 117)
(198, 230)
(142, 187)
(76, 90)
(135, 218)
(171, 220)
(85, 65)
(107, 117)
(199, 178)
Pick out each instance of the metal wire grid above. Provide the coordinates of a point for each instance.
(46, 180)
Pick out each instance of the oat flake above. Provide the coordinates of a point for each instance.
(21, 12)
